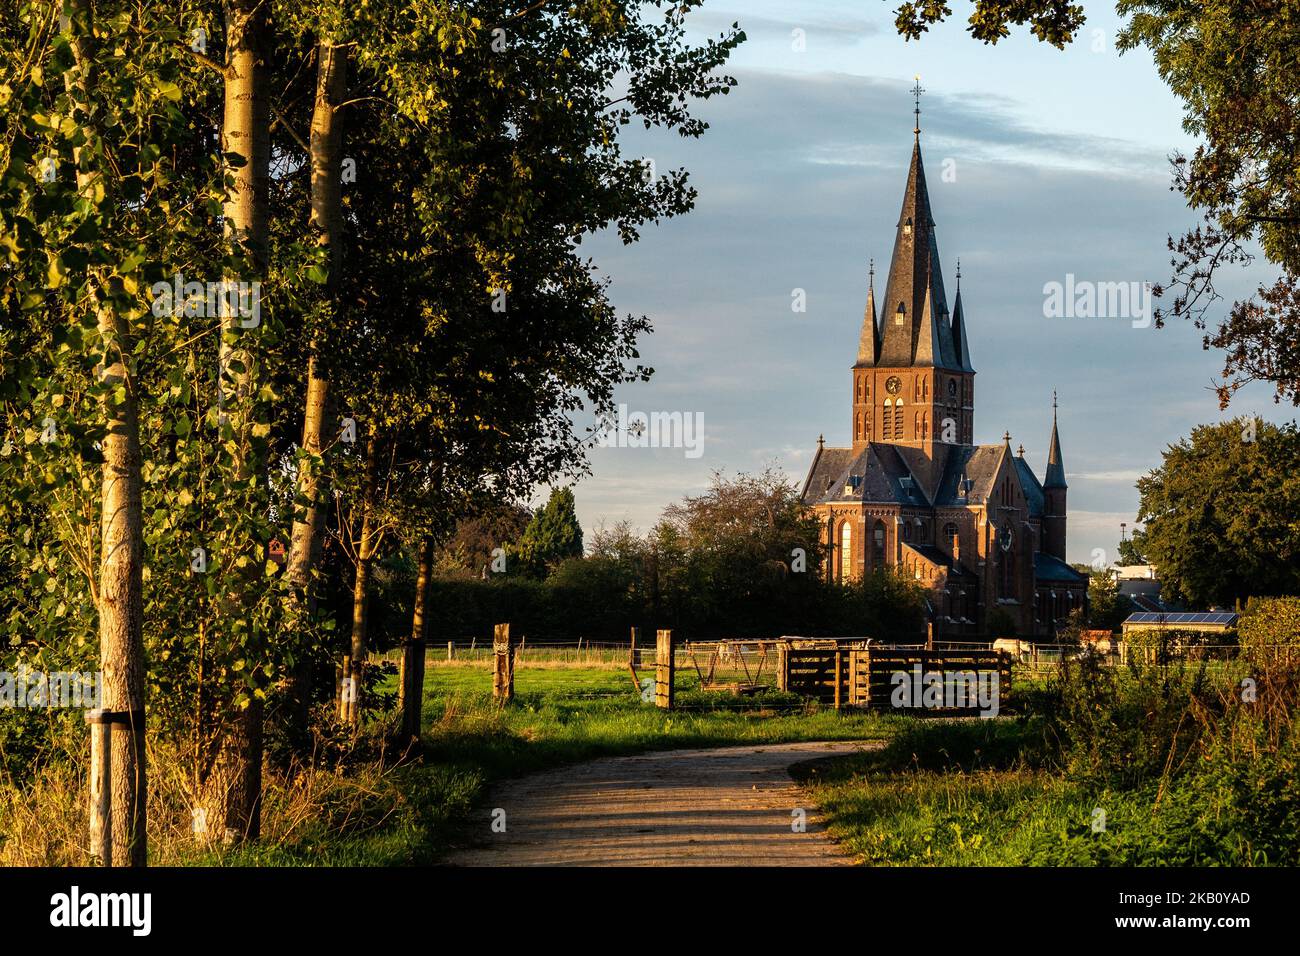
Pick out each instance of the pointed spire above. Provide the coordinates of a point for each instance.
(913, 273)
(929, 349)
(1055, 463)
(961, 350)
(869, 338)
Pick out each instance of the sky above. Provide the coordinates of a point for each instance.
(1041, 164)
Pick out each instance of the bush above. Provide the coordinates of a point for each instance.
(1270, 627)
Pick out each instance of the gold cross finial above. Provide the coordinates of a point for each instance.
(916, 92)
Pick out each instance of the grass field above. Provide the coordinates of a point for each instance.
(1008, 791)
(412, 813)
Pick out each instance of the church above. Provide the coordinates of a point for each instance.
(971, 523)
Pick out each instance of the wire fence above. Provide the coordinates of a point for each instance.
(740, 674)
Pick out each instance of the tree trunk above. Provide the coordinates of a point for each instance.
(412, 680)
(327, 219)
(350, 709)
(230, 785)
(121, 604)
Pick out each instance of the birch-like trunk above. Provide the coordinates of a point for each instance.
(121, 604)
(327, 219)
(230, 778)
(350, 706)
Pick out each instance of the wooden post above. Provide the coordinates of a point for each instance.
(346, 689)
(411, 684)
(782, 667)
(101, 786)
(634, 653)
(929, 635)
(664, 670)
(451, 650)
(839, 678)
(503, 664)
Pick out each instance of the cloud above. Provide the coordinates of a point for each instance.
(845, 29)
(800, 180)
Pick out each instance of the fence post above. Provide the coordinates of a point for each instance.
(664, 670)
(451, 650)
(634, 653)
(839, 678)
(503, 664)
(101, 785)
(782, 667)
(347, 689)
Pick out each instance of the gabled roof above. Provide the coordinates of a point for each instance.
(977, 464)
(1032, 489)
(882, 475)
(885, 472)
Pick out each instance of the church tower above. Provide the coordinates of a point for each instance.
(1054, 489)
(914, 494)
(913, 383)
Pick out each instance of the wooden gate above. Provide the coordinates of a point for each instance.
(848, 676)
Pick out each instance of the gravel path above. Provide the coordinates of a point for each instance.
(729, 806)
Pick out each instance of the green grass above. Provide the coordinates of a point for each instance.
(976, 793)
(414, 813)
(940, 793)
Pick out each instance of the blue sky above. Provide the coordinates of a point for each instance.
(1060, 166)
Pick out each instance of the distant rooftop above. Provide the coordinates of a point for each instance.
(1207, 620)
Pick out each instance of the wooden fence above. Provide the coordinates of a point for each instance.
(865, 676)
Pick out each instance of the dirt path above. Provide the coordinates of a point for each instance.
(729, 806)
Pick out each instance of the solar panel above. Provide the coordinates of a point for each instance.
(1175, 618)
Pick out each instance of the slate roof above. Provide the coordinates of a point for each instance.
(937, 556)
(1033, 490)
(1048, 567)
(882, 468)
(1055, 477)
(915, 285)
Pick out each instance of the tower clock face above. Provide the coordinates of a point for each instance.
(894, 385)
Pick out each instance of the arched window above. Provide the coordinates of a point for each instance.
(878, 545)
(886, 422)
(949, 531)
(898, 421)
(846, 551)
